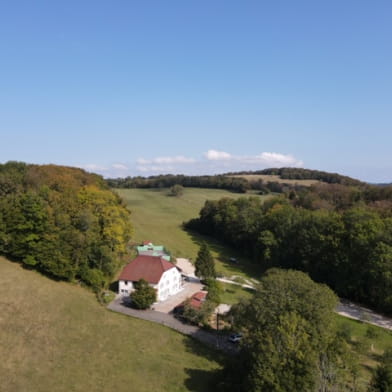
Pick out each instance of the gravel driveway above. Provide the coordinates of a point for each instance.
(357, 312)
(210, 338)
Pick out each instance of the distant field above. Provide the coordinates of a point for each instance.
(158, 217)
(272, 178)
(55, 337)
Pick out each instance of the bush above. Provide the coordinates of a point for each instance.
(106, 297)
(198, 316)
(176, 190)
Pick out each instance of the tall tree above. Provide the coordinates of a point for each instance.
(290, 338)
(205, 265)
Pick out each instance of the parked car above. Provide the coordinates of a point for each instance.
(235, 338)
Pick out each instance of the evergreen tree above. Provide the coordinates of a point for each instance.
(144, 295)
(205, 265)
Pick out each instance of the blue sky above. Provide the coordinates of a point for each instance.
(139, 88)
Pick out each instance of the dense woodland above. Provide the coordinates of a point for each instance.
(341, 235)
(62, 221)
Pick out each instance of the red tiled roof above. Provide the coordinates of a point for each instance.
(149, 268)
(197, 299)
(147, 242)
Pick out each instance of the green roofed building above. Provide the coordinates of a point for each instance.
(149, 249)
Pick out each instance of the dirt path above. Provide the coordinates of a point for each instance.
(357, 312)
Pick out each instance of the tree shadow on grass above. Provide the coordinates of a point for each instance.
(202, 380)
(225, 252)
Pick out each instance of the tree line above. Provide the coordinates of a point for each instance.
(343, 239)
(296, 173)
(234, 184)
(62, 221)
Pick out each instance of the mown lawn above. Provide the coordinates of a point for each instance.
(158, 217)
(54, 336)
(232, 293)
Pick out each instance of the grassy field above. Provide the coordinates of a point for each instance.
(54, 336)
(232, 293)
(367, 342)
(158, 217)
(273, 178)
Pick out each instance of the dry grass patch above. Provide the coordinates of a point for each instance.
(274, 178)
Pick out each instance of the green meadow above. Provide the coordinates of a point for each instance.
(54, 336)
(158, 217)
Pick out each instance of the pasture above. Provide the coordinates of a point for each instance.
(158, 217)
(56, 337)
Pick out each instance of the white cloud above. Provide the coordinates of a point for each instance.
(156, 169)
(142, 161)
(165, 160)
(119, 166)
(264, 158)
(211, 162)
(176, 159)
(94, 167)
(214, 155)
(277, 159)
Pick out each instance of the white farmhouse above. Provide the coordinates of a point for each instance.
(158, 272)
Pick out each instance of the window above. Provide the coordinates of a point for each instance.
(126, 283)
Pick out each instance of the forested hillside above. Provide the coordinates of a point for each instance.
(340, 235)
(297, 173)
(62, 221)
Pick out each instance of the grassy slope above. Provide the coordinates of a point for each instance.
(368, 342)
(55, 337)
(158, 217)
